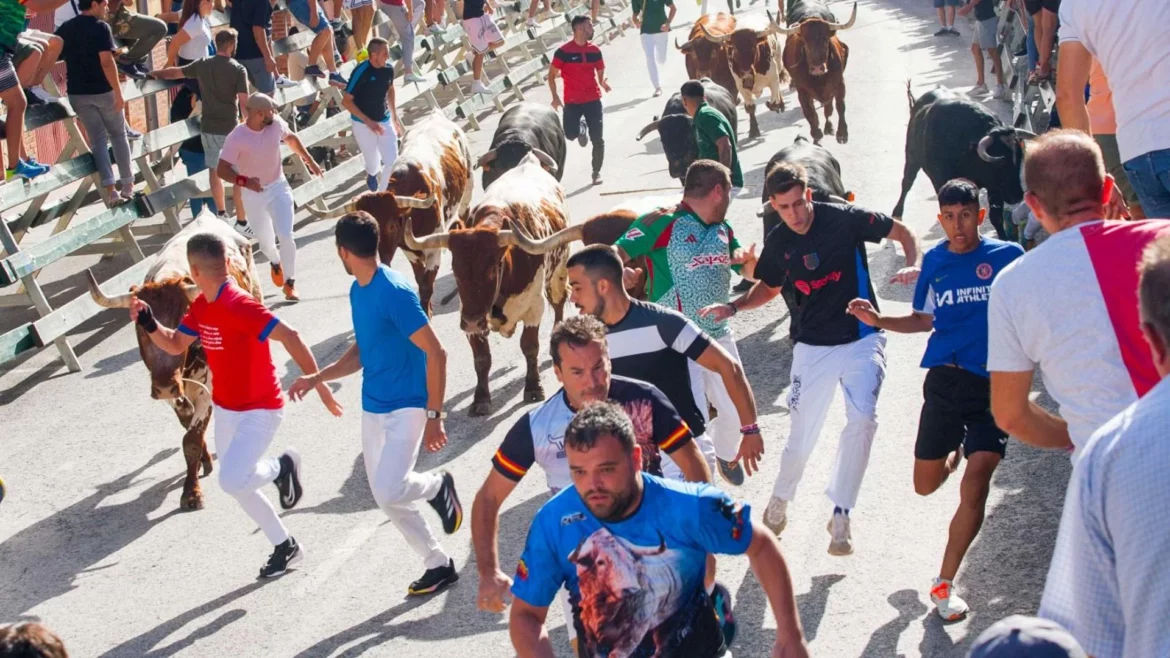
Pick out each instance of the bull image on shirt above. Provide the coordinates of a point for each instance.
(641, 414)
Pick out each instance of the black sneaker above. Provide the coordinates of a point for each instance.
(434, 580)
(583, 136)
(283, 556)
(942, 32)
(744, 285)
(446, 504)
(721, 600)
(131, 70)
(597, 178)
(954, 32)
(288, 483)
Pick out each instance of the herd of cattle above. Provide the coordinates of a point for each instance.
(509, 250)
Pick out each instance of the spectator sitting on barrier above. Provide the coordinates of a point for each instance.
(984, 30)
(402, 15)
(252, 21)
(191, 150)
(96, 94)
(47, 48)
(24, 155)
(482, 35)
(30, 640)
(141, 33)
(310, 14)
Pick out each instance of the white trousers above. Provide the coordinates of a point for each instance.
(390, 444)
(655, 46)
(724, 430)
(270, 214)
(859, 368)
(671, 471)
(378, 151)
(241, 439)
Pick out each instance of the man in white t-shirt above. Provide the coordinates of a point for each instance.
(1069, 307)
(1129, 39)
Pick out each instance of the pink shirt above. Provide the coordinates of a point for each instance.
(256, 154)
(1102, 120)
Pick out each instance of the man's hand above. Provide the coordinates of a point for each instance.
(630, 277)
(313, 19)
(137, 306)
(398, 129)
(605, 86)
(717, 312)
(666, 27)
(375, 127)
(328, 400)
(556, 103)
(434, 436)
(965, 9)
(254, 184)
(302, 386)
(314, 168)
(906, 275)
(119, 103)
(494, 592)
(744, 256)
(751, 451)
(488, 8)
(863, 310)
(1116, 208)
(270, 64)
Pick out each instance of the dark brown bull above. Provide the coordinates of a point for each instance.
(706, 57)
(815, 59)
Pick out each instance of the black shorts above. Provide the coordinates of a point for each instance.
(1033, 7)
(956, 411)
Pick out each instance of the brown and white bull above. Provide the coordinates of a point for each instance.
(753, 52)
(706, 56)
(501, 271)
(626, 592)
(183, 381)
(815, 59)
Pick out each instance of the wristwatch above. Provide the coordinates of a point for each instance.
(436, 415)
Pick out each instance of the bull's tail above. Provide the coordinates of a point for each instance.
(909, 96)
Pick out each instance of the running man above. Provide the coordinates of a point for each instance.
(235, 330)
(370, 101)
(581, 363)
(616, 516)
(714, 137)
(653, 21)
(404, 380)
(950, 301)
(482, 35)
(692, 252)
(579, 62)
(251, 159)
(820, 251)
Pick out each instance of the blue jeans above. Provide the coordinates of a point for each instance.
(1149, 174)
(1033, 51)
(195, 162)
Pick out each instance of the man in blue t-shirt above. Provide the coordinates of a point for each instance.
(951, 300)
(404, 375)
(631, 549)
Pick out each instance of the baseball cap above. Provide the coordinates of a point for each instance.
(261, 101)
(1026, 637)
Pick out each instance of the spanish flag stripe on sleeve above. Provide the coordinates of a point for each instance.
(508, 466)
(675, 438)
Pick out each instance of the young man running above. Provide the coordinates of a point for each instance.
(404, 379)
(950, 300)
(234, 329)
(579, 62)
(653, 20)
(370, 101)
(714, 137)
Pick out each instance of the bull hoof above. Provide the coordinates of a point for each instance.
(817, 137)
(191, 502)
(842, 136)
(776, 107)
(828, 127)
(534, 394)
(480, 408)
(208, 466)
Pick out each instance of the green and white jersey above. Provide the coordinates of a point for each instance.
(689, 261)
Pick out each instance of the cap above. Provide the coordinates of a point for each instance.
(261, 101)
(1026, 637)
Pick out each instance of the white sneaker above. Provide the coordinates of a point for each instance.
(776, 515)
(948, 604)
(245, 229)
(999, 92)
(436, 29)
(532, 22)
(413, 77)
(285, 83)
(978, 90)
(842, 542)
(43, 94)
(478, 87)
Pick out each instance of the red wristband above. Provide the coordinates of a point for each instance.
(241, 181)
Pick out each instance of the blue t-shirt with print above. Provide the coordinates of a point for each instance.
(637, 583)
(386, 313)
(954, 288)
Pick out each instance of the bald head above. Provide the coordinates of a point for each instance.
(1065, 174)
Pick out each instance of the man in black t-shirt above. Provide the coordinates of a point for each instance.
(984, 36)
(819, 251)
(252, 20)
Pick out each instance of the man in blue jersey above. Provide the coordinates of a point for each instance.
(631, 549)
(950, 300)
(369, 97)
(404, 377)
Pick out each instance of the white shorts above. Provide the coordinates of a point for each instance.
(356, 4)
(481, 33)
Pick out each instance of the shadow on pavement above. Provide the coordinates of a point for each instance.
(884, 641)
(766, 355)
(751, 610)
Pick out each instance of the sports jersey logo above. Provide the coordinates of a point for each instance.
(812, 261)
(708, 260)
(983, 271)
(634, 233)
(802, 286)
(691, 239)
(732, 510)
(722, 233)
(807, 287)
(570, 519)
(559, 442)
(521, 570)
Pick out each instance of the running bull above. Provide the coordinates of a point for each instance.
(500, 270)
(705, 53)
(753, 53)
(675, 131)
(951, 136)
(816, 59)
(525, 128)
(182, 381)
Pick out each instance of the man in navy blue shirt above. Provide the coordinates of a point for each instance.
(951, 300)
(369, 97)
(404, 377)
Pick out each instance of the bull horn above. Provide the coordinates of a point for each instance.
(336, 213)
(546, 160)
(100, 298)
(414, 202)
(192, 292)
(650, 127)
(833, 198)
(433, 241)
(486, 158)
(659, 550)
(713, 38)
(982, 150)
(773, 25)
(1025, 134)
(552, 242)
(678, 47)
(847, 24)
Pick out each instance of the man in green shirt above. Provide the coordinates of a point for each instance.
(713, 134)
(652, 17)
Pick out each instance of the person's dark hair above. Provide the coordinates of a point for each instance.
(579, 20)
(693, 89)
(225, 38)
(30, 640)
(784, 176)
(1154, 288)
(1065, 171)
(357, 233)
(958, 192)
(577, 331)
(86, 5)
(182, 105)
(600, 262)
(598, 419)
(378, 42)
(702, 177)
(208, 249)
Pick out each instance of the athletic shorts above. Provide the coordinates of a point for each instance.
(356, 4)
(956, 411)
(24, 50)
(300, 11)
(212, 146)
(481, 33)
(983, 33)
(938, 4)
(1034, 6)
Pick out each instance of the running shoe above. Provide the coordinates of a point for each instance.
(131, 71)
(284, 83)
(290, 291)
(434, 580)
(127, 192)
(478, 87)
(597, 178)
(948, 604)
(743, 286)
(532, 22)
(132, 133)
(978, 90)
(372, 182)
(337, 80)
(32, 100)
(413, 77)
(583, 135)
(943, 32)
(245, 229)
(732, 472)
(23, 170)
(657, 92)
(446, 505)
(435, 28)
(277, 275)
(314, 71)
(288, 482)
(283, 556)
(842, 542)
(999, 92)
(776, 515)
(953, 31)
(721, 599)
(43, 94)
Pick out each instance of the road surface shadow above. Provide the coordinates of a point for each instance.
(354, 495)
(751, 610)
(766, 355)
(884, 641)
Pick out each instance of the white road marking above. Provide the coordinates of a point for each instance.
(358, 536)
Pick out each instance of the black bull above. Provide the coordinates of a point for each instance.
(674, 127)
(524, 127)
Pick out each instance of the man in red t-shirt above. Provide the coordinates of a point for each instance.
(580, 63)
(234, 329)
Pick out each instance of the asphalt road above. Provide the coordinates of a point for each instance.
(93, 544)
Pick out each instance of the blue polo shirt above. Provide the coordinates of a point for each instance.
(386, 313)
(954, 288)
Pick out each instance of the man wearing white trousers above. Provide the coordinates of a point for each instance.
(820, 251)
(404, 372)
(654, 18)
(250, 159)
(370, 101)
(234, 329)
